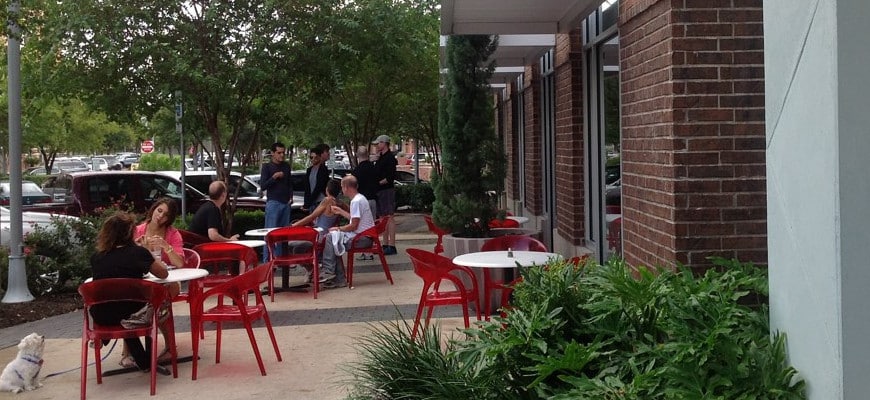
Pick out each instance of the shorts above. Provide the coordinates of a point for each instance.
(386, 201)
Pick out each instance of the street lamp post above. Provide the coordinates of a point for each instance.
(16, 288)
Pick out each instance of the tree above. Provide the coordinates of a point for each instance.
(385, 74)
(129, 57)
(473, 159)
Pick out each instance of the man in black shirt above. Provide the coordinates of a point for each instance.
(386, 174)
(208, 220)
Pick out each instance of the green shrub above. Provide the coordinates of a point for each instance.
(418, 196)
(159, 162)
(613, 332)
(244, 221)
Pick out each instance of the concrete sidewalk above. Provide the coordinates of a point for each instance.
(317, 338)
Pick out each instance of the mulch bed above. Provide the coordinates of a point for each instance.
(45, 306)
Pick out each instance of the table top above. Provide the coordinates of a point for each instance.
(175, 275)
(179, 275)
(249, 243)
(500, 259)
(262, 232)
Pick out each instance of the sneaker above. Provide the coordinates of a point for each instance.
(389, 250)
(333, 284)
(325, 276)
(363, 257)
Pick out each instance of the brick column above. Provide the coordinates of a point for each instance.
(693, 143)
(533, 141)
(570, 198)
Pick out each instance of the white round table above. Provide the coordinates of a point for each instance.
(179, 275)
(488, 260)
(250, 243)
(520, 220)
(500, 259)
(261, 232)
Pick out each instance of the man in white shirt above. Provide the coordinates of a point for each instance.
(360, 218)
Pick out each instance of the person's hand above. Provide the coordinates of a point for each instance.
(334, 229)
(278, 175)
(234, 237)
(335, 209)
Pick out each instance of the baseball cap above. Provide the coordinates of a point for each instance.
(382, 138)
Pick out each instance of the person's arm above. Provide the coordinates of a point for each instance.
(174, 247)
(158, 269)
(216, 236)
(314, 214)
(340, 211)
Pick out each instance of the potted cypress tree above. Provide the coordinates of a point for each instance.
(473, 159)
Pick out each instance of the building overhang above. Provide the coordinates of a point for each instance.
(527, 28)
(513, 17)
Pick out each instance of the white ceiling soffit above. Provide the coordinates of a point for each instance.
(515, 50)
(510, 17)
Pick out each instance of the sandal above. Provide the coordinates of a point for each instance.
(128, 362)
(164, 357)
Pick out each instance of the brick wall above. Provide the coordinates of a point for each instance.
(532, 140)
(570, 198)
(693, 131)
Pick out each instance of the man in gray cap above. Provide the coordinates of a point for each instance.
(386, 174)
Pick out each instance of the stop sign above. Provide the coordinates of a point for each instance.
(147, 146)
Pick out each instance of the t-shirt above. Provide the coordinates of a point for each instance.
(123, 262)
(359, 208)
(207, 216)
(367, 178)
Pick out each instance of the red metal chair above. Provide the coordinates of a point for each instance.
(372, 233)
(224, 261)
(238, 288)
(190, 239)
(439, 246)
(292, 237)
(513, 242)
(434, 269)
(191, 260)
(105, 291)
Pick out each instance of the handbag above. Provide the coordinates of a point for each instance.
(139, 319)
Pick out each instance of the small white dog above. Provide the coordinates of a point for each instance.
(22, 373)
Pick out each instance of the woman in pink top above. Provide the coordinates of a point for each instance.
(156, 233)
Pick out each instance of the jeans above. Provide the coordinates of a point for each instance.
(333, 264)
(277, 215)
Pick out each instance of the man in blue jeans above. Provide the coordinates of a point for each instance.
(359, 218)
(275, 180)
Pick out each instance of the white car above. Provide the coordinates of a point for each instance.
(30, 221)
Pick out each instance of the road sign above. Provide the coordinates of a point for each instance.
(147, 146)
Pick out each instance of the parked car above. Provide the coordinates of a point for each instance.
(250, 197)
(113, 163)
(128, 161)
(88, 193)
(407, 178)
(70, 165)
(30, 194)
(31, 220)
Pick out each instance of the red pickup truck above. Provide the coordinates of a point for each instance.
(88, 193)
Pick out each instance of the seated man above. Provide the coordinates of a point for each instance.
(360, 217)
(208, 220)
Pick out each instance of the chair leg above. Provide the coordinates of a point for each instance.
(98, 366)
(315, 280)
(217, 349)
(272, 282)
(196, 327)
(386, 267)
(84, 372)
(349, 273)
(268, 323)
(254, 346)
(420, 306)
(155, 343)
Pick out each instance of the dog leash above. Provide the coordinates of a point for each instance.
(114, 342)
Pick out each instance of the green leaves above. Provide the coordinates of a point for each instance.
(615, 332)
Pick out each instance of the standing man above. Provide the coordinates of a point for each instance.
(359, 219)
(275, 180)
(386, 173)
(208, 220)
(367, 177)
(317, 177)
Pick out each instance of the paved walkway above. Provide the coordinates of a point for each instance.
(317, 339)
